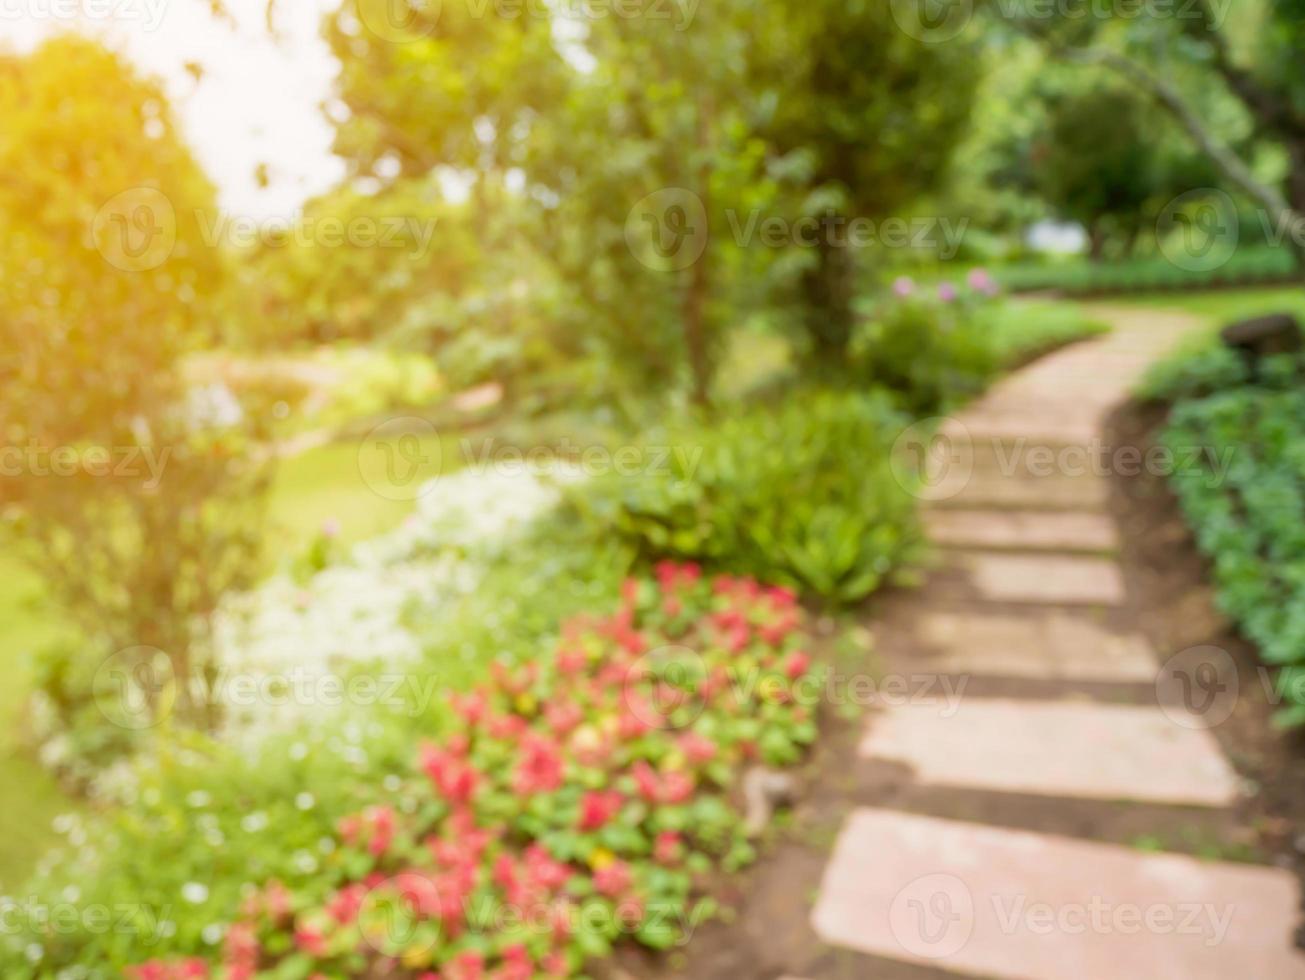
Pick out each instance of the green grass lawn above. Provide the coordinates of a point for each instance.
(31, 798)
(1023, 329)
(1225, 306)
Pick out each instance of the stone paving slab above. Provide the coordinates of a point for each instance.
(988, 488)
(992, 902)
(1007, 427)
(1055, 646)
(1034, 530)
(1055, 748)
(1048, 579)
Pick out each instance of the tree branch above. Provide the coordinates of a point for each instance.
(1232, 166)
(1271, 110)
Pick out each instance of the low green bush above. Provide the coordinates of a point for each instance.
(1250, 521)
(801, 494)
(931, 355)
(1250, 265)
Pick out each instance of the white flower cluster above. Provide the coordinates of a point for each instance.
(288, 650)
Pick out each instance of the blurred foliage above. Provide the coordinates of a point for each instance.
(865, 127)
(931, 355)
(136, 507)
(1075, 276)
(86, 344)
(801, 494)
(1237, 435)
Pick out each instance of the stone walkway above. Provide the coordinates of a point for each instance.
(1030, 589)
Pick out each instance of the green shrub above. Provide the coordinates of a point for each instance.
(800, 495)
(932, 356)
(1200, 371)
(1251, 521)
(1078, 276)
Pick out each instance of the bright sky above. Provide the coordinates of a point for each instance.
(258, 102)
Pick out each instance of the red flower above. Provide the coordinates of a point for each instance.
(311, 941)
(540, 768)
(381, 821)
(454, 779)
(467, 966)
(696, 748)
(346, 903)
(613, 880)
(677, 787)
(562, 718)
(798, 663)
(597, 809)
(667, 848)
(630, 591)
(472, 707)
(650, 787)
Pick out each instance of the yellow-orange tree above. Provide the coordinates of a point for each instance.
(132, 508)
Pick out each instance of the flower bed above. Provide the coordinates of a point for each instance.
(575, 802)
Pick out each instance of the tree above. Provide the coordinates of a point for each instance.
(1262, 76)
(636, 173)
(138, 512)
(875, 115)
(1105, 157)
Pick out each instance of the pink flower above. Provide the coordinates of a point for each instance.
(472, 707)
(330, 528)
(630, 591)
(467, 966)
(598, 809)
(650, 787)
(677, 787)
(981, 282)
(614, 880)
(798, 663)
(311, 941)
(453, 778)
(667, 848)
(696, 748)
(540, 768)
(947, 292)
(345, 905)
(563, 717)
(903, 286)
(381, 819)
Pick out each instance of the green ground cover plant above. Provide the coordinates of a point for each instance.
(1250, 524)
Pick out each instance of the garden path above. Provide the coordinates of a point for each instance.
(987, 824)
